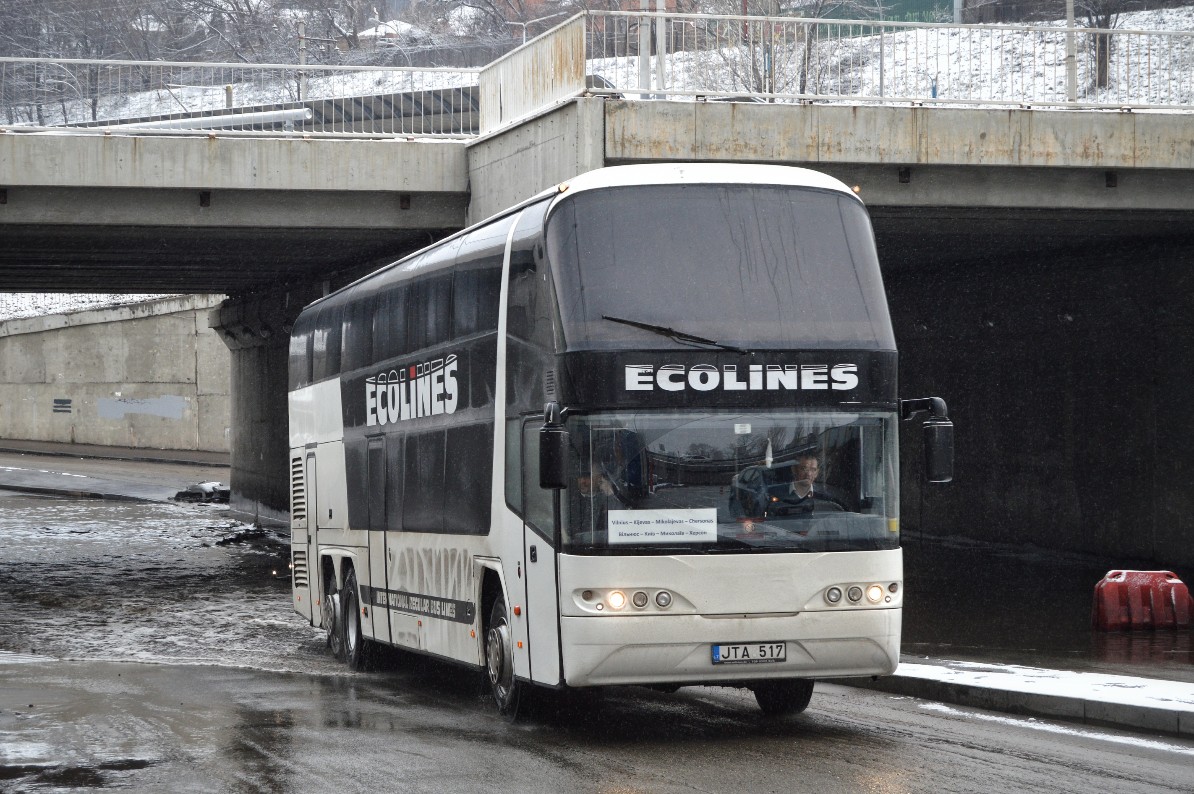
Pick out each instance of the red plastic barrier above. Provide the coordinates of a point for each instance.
(1133, 600)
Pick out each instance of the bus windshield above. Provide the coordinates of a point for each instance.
(731, 482)
(746, 266)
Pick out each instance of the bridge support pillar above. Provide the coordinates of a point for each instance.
(256, 329)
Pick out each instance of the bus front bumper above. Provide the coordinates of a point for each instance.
(678, 649)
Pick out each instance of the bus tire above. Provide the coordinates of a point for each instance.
(499, 662)
(333, 624)
(779, 698)
(358, 650)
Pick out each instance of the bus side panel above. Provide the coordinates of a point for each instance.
(318, 498)
(429, 593)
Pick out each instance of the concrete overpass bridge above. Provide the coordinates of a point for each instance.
(1037, 262)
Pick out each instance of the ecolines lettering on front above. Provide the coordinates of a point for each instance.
(426, 389)
(756, 377)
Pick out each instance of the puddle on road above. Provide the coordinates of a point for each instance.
(127, 581)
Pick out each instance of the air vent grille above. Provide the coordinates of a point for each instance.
(298, 565)
(298, 491)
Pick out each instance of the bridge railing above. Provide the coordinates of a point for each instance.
(164, 96)
(643, 55)
(631, 54)
(786, 59)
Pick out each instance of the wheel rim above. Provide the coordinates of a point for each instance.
(352, 622)
(498, 659)
(330, 607)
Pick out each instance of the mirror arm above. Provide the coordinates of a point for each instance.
(933, 406)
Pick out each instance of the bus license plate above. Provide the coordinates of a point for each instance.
(750, 653)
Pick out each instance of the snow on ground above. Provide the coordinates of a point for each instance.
(17, 305)
(1103, 688)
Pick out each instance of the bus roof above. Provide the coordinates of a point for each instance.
(702, 173)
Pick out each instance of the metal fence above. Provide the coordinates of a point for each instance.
(788, 59)
(631, 54)
(237, 97)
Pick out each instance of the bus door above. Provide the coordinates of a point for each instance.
(376, 479)
(539, 564)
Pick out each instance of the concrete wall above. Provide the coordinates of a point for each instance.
(519, 162)
(1066, 376)
(151, 375)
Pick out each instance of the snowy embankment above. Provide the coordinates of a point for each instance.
(17, 305)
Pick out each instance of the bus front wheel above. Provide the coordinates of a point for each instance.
(778, 698)
(499, 662)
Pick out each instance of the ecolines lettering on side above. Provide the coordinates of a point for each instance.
(427, 389)
(757, 377)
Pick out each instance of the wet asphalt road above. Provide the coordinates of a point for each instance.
(152, 648)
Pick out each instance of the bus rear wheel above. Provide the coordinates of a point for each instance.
(779, 698)
(499, 662)
(358, 650)
(333, 625)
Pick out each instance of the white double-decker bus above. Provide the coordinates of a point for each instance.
(640, 429)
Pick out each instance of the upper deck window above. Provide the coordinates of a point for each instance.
(746, 265)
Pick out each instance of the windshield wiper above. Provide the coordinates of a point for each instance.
(677, 336)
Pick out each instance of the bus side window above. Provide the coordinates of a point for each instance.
(395, 446)
(477, 281)
(468, 479)
(423, 486)
(357, 338)
(325, 348)
(537, 506)
(389, 327)
(514, 466)
(300, 356)
(377, 482)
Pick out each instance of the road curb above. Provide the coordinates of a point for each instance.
(76, 493)
(1084, 710)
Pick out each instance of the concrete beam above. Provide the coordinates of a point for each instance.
(891, 135)
(218, 209)
(213, 162)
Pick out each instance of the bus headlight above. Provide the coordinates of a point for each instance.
(639, 599)
(874, 593)
(854, 594)
(833, 595)
(617, 599)
(663, 599)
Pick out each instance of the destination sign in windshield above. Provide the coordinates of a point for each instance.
(663, 526)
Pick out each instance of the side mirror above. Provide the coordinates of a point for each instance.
(553, 449)
(938, 436)
(939, 450)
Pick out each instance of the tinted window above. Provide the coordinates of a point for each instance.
(300, 351)
(467, 479)
(325, 345)
(358, 331)
(477, 282)
(428, 321)
(755, 266)
(389, 323)
(423, 490)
